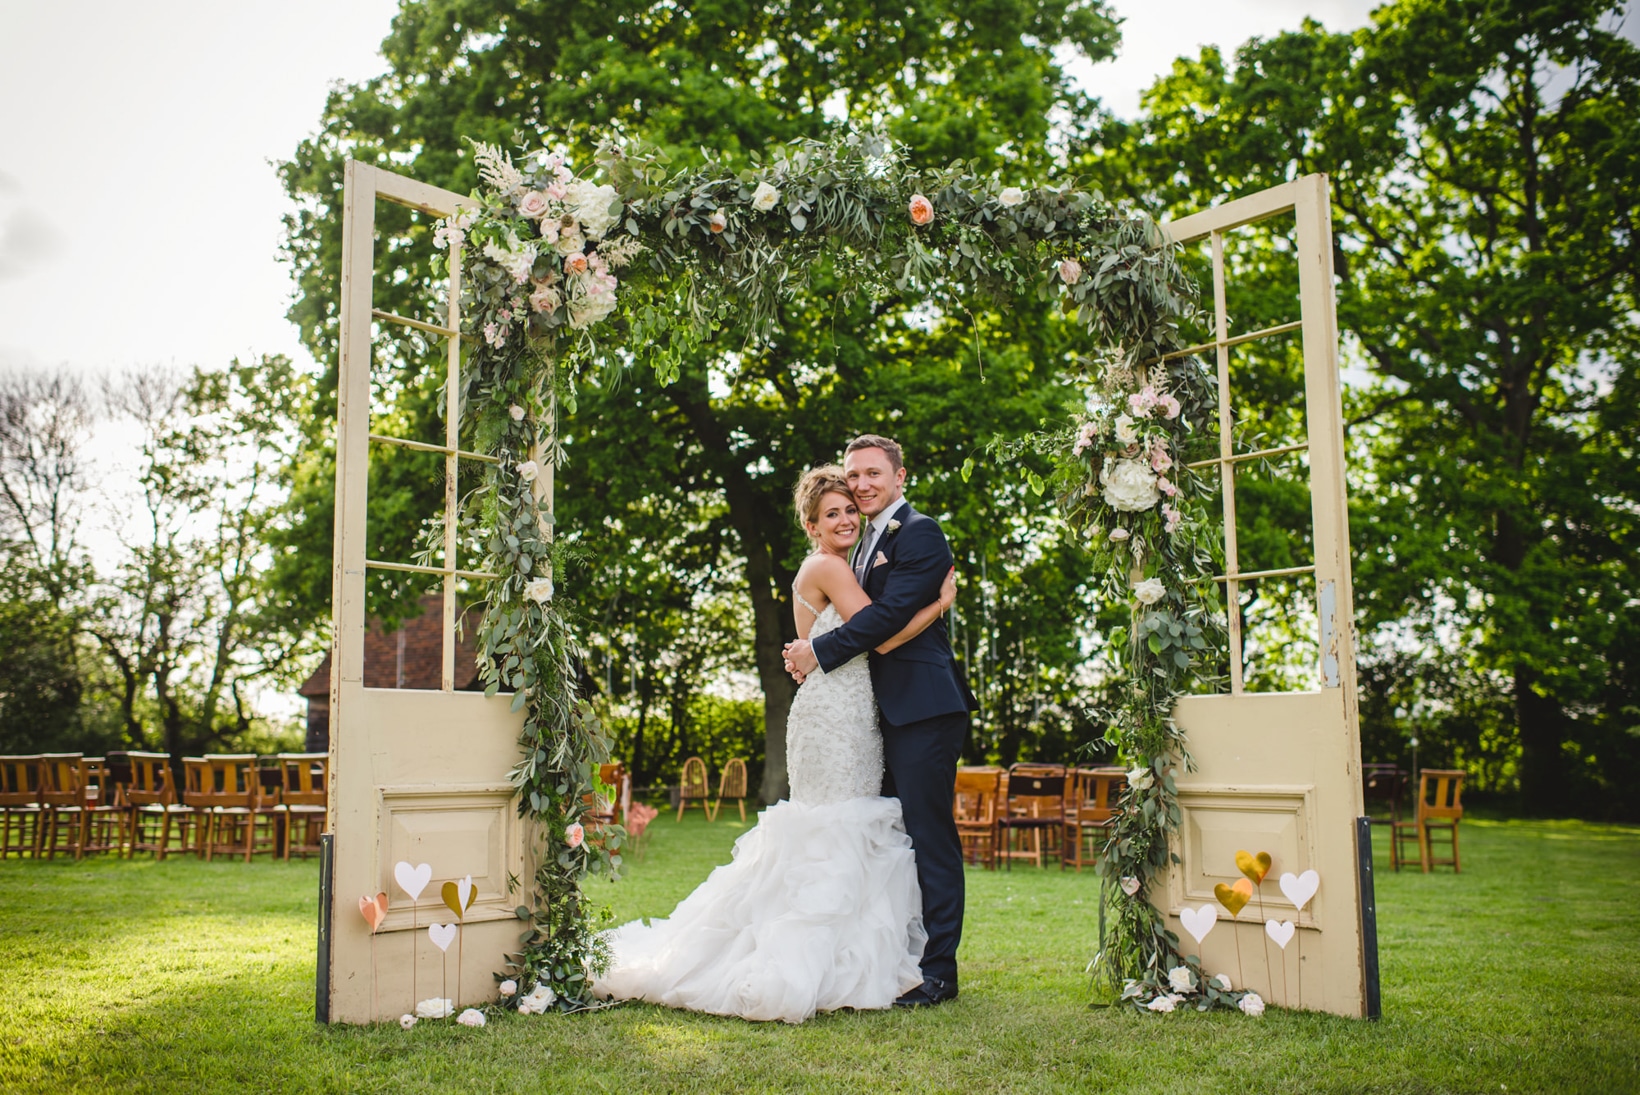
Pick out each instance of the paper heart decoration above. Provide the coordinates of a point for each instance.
(374, 910)
(1130, 885)
(1198, 922)
(1299, 888)
(1279, 930)
(459, 895)
(1254, 867)
(412, 880)
(1234, 898)
(443, 935)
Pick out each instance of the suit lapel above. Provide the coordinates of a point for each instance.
(884, 544)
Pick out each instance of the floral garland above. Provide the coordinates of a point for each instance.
(550, 287)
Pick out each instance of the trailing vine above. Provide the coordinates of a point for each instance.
(638, 262)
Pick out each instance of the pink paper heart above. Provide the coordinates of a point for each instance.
(374, 910)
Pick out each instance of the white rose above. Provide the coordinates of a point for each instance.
(407, 1021)
(472, 1017)
(507, 988)
(516, 412)
(538, 590)
(1162, 1004)
(1011, 195)
(1130, 485)
(1149, 591)
(765, 197)
(1117, 535)
(528, 470)
(1222, 980)
(1252, 1005)
(1140, 778)
(594, 206)
(1125, 432)
(435, 1007)
(1179, 979)
(570, 240)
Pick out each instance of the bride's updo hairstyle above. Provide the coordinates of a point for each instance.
(815, 485)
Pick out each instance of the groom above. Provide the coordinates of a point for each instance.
(923, 703)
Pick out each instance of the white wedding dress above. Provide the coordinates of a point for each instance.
(820, 908)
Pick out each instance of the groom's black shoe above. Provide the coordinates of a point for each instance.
(931, 992)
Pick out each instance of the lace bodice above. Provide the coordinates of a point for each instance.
(833, 749)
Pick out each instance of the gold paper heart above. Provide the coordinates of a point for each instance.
(1254, 867)
(374, 910)
(452, 897)
(1234, 898)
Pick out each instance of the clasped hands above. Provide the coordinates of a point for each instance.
(800, 660)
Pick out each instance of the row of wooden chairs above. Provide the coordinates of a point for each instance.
(693, 787)
(1033, 811)
(228, 804)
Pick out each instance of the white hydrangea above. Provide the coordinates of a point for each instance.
(593, 206)
(1130, 485)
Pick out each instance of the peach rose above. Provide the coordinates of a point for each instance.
(922, 210)
(717, 222)
(575, 835)
(575, 262)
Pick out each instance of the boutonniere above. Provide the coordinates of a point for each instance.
(893, 527)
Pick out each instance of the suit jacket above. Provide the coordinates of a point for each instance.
(918, 680)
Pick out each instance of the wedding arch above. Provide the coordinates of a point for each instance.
(553, 269)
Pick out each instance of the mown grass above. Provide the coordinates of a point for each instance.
(1520, 975)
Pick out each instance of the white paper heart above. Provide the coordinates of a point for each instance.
(412, 880)
(1299, 888)
(1279, 930)
(1198, 922)
(443, 935)
(465, 891)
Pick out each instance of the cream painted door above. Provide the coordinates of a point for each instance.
(415, 775)
(1280, 770)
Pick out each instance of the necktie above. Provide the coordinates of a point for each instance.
(862, 561)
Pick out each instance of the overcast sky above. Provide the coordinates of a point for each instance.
(139, 211)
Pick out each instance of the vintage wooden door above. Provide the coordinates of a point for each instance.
(1280, 770)
(415, 775)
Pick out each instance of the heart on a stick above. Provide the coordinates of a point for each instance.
(1234, 898)
(1198, 922)
(1255, 867)
(1279, 930)
(459, 895)
(412, 880)
(443, 935)
(1299, 888)
(374, 910)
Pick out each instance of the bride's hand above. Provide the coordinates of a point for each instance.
(948, 590)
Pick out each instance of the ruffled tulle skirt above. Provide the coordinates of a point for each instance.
(819, 910)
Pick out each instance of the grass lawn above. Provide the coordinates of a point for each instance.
(1520, 975)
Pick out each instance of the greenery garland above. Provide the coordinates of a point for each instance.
(561, 272)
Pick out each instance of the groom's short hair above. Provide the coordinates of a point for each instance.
(877, 441)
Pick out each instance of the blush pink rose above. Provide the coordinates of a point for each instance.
(1169, 405)
(922, 210)
(1160, 461)
(1070, 271)
(575, 835)
(533, 205)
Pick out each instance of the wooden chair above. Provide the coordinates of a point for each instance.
(151, 800)
(732, 786)
(102, 813)
(1383, 783)
(1090, 810)
(225, 793)
(974, 807)
(1432, 813)
(303, 808)
(62, 797)
(692, 788)
(1035, 808)
(21, 818)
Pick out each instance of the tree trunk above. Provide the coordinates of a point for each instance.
(1542, 781)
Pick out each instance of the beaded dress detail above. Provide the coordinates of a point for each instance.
(820, 907)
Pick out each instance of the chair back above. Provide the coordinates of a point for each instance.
(1383, 783)
(1446, 801)
(221, 781)
(61, 779)
(614, 808)
(1036, 790)
(302, 778)
(692, 783)
(20, 780)
(150, 782)
(975, 799)
(1095, 795)
(95, 786)
(732, 784)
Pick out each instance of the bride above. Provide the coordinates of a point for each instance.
(820, 908)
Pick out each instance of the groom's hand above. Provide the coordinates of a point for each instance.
(800, 660)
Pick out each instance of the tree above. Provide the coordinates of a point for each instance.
(1483, 157)
(948, 80)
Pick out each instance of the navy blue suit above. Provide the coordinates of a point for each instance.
(923, 706)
